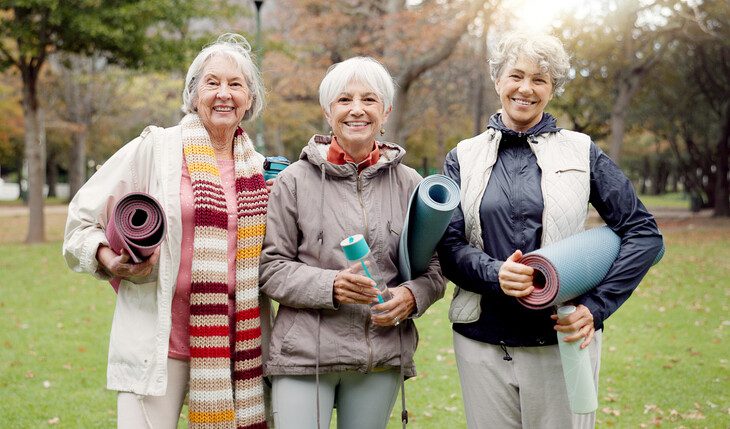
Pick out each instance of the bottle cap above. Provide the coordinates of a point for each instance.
(355, 247)
(565, 310)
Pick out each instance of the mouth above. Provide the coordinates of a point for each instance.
(223, 108)
(357, 124)
(523, 102)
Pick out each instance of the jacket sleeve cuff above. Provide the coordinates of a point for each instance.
(324, 295)
(422, 303)
(88, 261)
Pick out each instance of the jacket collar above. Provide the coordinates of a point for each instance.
(316, 153)
(547, 124)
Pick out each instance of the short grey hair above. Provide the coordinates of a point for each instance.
(543, 49)
(365, 70)
(237, 48)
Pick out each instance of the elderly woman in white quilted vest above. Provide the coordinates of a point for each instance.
(525, 183)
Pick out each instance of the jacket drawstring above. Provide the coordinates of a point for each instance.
(506, 357)
(404, 410)
(390, 195)
(316, 369)
(320, 238)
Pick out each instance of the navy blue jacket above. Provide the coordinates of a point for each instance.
(511, 218)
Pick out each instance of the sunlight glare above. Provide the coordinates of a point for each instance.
(540, 15)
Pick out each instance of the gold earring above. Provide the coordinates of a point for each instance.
(332, 133)
(382, 131)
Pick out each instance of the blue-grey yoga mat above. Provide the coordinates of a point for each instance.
(573, 266)
(429, 212)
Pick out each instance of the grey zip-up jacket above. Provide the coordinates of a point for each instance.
(313, 206)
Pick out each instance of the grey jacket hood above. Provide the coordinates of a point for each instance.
(315, 152)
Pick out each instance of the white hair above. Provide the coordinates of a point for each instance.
(543, 49)
(237, 48)
(365, 70)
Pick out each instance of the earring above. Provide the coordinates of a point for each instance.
(332, 133)
(382, 131)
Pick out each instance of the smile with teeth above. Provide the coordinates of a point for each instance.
(223, 108)
(523, 101)
(356, 124)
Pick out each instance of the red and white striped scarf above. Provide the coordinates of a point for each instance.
(226, 389)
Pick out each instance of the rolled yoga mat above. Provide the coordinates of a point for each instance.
(137, 225)
(429, 213)
(573, 266)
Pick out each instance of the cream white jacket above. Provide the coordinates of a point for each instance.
(140, 332)
(138, 344)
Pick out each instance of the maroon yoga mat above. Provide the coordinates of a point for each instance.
(137, 225)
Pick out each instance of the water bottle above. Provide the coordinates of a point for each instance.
(577, 371)
(357, 251)
(273, 165)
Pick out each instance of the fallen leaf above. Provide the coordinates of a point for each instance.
(29, 374)
(46, 384)
(54, 421)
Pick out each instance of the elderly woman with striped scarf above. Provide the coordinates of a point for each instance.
(188, 319)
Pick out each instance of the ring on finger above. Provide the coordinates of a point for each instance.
(396, 321)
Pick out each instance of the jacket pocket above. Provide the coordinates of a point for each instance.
(133, 335)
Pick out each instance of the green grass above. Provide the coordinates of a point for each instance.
(665, 355)
(675, 200)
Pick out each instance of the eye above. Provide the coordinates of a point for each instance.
(515, 76)
(370, 100)
(343, 99)
(540, 80)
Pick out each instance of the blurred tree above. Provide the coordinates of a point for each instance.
(130, 32)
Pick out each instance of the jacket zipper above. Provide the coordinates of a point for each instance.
(365, 221)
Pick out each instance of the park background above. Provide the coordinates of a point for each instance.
(650, 83)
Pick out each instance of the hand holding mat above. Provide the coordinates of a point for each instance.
(572, 267)
(429, 213)
(137, 225)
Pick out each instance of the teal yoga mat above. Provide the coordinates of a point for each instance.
(573, 266)
(429, 212)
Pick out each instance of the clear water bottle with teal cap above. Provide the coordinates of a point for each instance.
(358, 252)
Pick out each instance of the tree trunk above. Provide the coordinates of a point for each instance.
(77, 166)
(627, 87)
(722, 205)
(412, 70)
(51, 173)
(35, 156)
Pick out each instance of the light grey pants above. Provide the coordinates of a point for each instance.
(364, 401)
(525, 392)
(155, 412)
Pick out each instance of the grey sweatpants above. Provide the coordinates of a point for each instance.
(364, 401)
(525, 392)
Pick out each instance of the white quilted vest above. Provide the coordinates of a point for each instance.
(563, 158)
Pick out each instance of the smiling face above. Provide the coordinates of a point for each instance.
(524, 91)
(356, 116)
(223, 95)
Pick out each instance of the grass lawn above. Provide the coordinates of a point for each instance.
(665, 356)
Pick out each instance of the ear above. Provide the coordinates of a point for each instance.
(328, 117)
(386, 114)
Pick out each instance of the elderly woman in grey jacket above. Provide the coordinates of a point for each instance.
(327, 346)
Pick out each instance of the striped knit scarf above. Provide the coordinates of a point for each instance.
(226, 389)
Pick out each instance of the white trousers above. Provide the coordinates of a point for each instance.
(525, 392)
(155, 412)
(364, 401)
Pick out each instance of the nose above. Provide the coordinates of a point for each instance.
(526, 86)
(356, 107)
(223, 92)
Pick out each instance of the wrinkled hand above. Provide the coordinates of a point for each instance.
(270, 184)
(397, 309)
(578, 324)
(351, 288)
(120, 265)
(516, 279)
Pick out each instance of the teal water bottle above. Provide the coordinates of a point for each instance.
(577, 371)
(357, 251)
